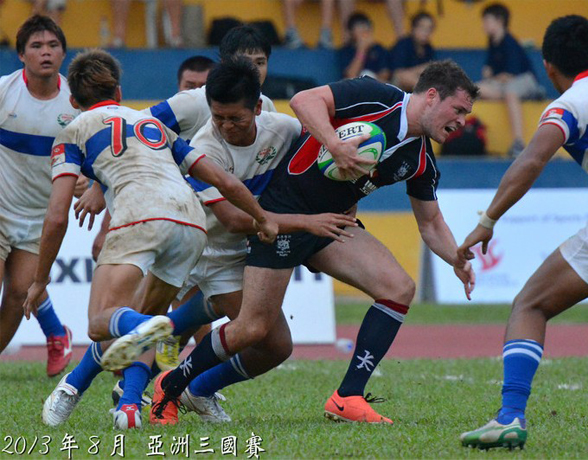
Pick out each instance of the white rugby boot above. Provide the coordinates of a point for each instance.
(207, 407)
(60, 403)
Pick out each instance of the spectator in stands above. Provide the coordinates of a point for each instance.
(193, 72)
(362, 56)
(52, 8)
(411, 54)
(120, 14)
(507, 74)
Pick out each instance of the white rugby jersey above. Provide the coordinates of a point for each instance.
(137, 158)
(187, 111)
(253, 165)
(28, 127)
(570, 113)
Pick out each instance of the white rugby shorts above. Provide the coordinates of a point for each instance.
(19, 232)
(575, 251)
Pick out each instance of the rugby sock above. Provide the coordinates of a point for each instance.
(136, 378)
(124, 320)
(377, 332)
(223, 375)
(521, 359)
(191, 314)
(48, 319)
(83, 374)
(212, 350)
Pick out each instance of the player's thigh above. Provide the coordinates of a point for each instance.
(365, 263)
(2, 265)
(228, 304)
(154, 295)
(113, 286)
(554, 287)
(19, 272)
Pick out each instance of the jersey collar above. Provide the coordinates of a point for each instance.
(581, 75)
(26, 80)
(104, 104)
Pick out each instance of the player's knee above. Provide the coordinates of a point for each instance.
(402, 291)
(256, 331)
(94, 333)
(282, 349)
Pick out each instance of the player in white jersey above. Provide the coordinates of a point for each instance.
(249, 143)
(562, 280)
(34, 108)
(157, 228)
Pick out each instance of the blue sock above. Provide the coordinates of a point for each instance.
(124, 320)
(136, 380)
(48, 319)
(210, 351)
(223, 375)
(83, 374)
(521, 360)
(192, 314)
(377, 332)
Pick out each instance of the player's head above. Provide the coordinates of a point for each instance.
(447, 94)
(41, 46)
(565, 48)
(232, 92)
(94, 76)
(249, 42)
(422, 26)
(193, 72)
(495, 18)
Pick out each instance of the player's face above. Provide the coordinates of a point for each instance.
(260, 60)
(192, 79)
(43, 55)
(235, 122)
(442, 117)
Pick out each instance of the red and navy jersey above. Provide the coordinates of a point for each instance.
(298, 186)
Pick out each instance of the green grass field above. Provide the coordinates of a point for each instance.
(431, 402)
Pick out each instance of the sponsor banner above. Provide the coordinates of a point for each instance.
(523, 238)
(308, 306)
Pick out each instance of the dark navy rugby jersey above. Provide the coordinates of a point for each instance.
(298, 186)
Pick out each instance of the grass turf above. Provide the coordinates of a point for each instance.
(431, 402)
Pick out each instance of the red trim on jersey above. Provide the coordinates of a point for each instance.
(422, 159)
(397, 307)
(64, 174)
(581, 75)
(157, 218)
(208, 203)
(197, 160)
(104, 104)
(554, 124)
(223, 338)
(26, 80)
(367, 118)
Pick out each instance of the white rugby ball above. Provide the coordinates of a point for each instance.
(371, 149)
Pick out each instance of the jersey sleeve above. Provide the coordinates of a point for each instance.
(362, 96)
(184, 113)
(206, 144)
(558, 113)
(66, 156)
(184, 155)
(267, 104)
(423, 185)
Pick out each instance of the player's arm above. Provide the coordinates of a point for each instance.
(328, 225)
(515, 183)
(236, 192)
(438, 237)
(54, 228)
(314, 108)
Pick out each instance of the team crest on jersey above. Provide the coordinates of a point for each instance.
(65, 119)
(266, 155)
(553, 113)
(57, 155)
(401, 172)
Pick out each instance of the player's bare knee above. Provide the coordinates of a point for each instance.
(401, 291)
(95, 333)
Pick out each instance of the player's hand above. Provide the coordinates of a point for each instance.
(81, 185)
(351, 166)
(268, 230)
(33, 294)
(467, 276)
(479, 235)
(330, 225)
(91, 202)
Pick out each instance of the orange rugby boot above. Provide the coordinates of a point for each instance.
(353, 409)
(164, 410)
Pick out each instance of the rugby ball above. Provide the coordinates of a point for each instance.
(371, 149)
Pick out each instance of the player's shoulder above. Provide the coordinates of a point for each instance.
(283, 125)
(12, 78)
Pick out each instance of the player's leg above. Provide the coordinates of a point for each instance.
(365, 263)
(552, 289)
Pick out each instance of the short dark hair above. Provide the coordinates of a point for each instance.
(34, 24)
(499, 11)
(243, 39)
(93, 77)
(232, 81)
(196, 64)
(414, 21)
(446, 77)
(565, 44)
(358, 18)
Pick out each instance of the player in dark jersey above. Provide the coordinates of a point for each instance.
(442, 98)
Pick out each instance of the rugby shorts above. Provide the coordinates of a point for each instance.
(575, 251)
(19, 232)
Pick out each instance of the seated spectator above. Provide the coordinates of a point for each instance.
(52, 8)
(508, 74)
(193, 72)
(411, 54)
(362, 56)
